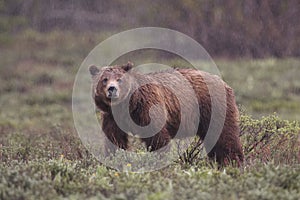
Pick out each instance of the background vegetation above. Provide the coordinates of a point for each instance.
(225, 28)
(42, 44)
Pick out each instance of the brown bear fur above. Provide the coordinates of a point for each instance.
(228, 146)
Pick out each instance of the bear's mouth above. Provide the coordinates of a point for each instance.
(112, 96)
(113, 100)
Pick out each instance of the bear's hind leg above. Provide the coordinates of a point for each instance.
(227, 150)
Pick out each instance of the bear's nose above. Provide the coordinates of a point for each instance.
(112, 89)
(112, 92)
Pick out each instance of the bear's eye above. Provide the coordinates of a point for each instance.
(104, 81)
(119, 80)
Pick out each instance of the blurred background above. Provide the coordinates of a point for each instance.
(225, 28)
(43, 42)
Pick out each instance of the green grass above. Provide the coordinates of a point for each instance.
(41, 156)
(265, 86)
(52, 163)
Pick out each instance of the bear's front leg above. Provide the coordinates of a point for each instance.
(115, 137)
(157, 141)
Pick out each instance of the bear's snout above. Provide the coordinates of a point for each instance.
(112, 92)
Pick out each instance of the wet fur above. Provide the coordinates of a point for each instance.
(228, 146)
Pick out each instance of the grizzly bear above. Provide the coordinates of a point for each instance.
(112, 87)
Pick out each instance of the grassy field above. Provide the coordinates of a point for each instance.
(41, 156)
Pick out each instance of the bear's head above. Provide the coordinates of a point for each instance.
(111, 85)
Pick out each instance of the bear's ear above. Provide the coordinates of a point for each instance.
(93, 70)
(127, 66)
